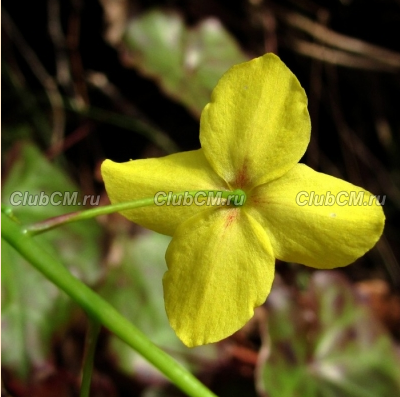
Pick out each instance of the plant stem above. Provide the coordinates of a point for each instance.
(98, 308)
(51, 223)
(90, 349)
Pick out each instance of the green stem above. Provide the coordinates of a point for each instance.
(90, 349)
(98, 308)
(51, 223)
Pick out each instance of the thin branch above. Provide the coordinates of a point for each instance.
(51, 223)
(57, 37)
(327, 36)
(78, 72)
(47, 81)
(337, 57)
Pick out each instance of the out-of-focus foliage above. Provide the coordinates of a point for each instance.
(134, 287)
(322, 342)
(186, 62)
(32, 308)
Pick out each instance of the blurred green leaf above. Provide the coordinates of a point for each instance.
(186, 62)
(134, 287)
(32, 308)
(78, 243)
(324, 343)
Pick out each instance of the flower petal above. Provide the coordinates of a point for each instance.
(137, 179)
(257, 125)
(322, 236)
(220, 268)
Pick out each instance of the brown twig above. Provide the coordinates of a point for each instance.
(356, 146)
(57, 37)
(313, 152)
(80, 133)
(337, 57)
(345, 133)
(78, 73)
(47, 81)
(373, 53)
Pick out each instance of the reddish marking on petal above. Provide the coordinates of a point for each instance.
(242, 176)
(231, 217)
(258, 200)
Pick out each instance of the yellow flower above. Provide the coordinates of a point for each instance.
(221, 258)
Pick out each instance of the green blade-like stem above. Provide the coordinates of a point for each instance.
(88, 359)
(98, 308)
(51, 223)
